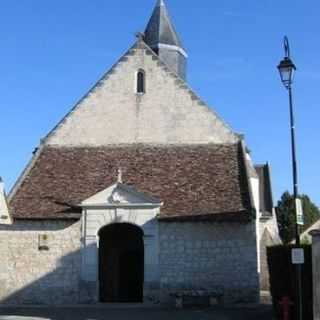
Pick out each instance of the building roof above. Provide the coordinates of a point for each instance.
(202, 181)
(160, 29)
(306, 234)
(265, 189)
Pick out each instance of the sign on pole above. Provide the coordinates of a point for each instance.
(299, 213)
(297, 256)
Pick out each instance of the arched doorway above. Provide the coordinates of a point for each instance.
(121, 263)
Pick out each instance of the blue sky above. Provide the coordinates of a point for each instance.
(52, 52)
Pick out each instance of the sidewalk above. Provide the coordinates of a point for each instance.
(97, 312)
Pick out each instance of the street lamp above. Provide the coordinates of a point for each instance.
(287, 69)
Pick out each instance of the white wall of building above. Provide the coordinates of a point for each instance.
(120, 204)
(168, 113)
(95, 219)
(31, 275)
(5, 217)
(220, 258)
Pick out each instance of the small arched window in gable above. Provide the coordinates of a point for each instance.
(141, 82)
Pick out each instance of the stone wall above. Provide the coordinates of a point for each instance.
(265, 242)
(40, 262)
(269, 236)
(216, 257)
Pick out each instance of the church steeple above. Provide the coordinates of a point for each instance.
(161, 36)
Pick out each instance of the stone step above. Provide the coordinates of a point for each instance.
(265, 297)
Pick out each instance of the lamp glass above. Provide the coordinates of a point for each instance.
(287, 71)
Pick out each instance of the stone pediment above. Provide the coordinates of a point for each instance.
(120, 195)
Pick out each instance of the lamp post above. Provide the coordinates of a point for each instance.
(287, 69)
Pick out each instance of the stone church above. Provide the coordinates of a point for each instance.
(141, 193)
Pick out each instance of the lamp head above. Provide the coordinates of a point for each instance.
(287, 69)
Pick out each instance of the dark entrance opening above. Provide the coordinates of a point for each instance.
(121, 263)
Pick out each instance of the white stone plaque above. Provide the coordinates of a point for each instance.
(297, 256)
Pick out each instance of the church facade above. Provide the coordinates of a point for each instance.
(140, 193)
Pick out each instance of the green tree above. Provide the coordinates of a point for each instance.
(286, 215)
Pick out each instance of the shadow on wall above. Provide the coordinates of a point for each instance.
(37, 273)
(60, 286)
(50, 277)
(40, 262)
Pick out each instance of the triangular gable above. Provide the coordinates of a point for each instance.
(111, 113)
(120, 194)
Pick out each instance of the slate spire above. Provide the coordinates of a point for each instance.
(161, 36)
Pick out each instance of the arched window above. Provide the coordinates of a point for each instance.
(141, 82)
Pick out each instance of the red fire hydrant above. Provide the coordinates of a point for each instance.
(286, 304)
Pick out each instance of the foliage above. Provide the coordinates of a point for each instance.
(283, 279)
(286, 215)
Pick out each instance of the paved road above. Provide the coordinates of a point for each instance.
(96, 313)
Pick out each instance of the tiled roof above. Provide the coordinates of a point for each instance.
(204, 181)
